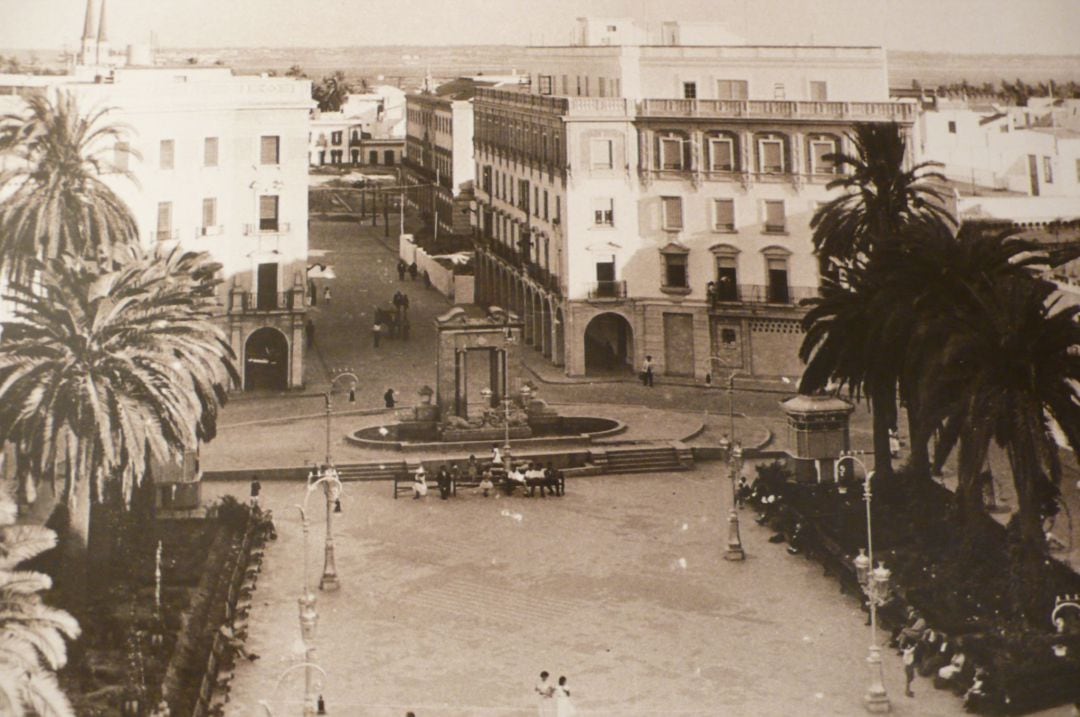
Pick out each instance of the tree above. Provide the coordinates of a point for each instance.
(56, 200)
(102, 369)
(296, 71)
(31, 633)
(331, 92)
(881, 200)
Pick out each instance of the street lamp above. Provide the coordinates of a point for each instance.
(734, 544)
(487, 393)
(328, 396)
(875, 585)
(331, 483)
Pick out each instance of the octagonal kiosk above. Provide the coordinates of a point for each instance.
(817, 433)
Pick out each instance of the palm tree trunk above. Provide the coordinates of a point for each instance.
(918, 463)
(1026, 573)
(883, 407)
(74, 566)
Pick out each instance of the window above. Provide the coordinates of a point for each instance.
(602, 153)
(672, 219)
(210, 152)
(565, 85)
(335, 138)
(731, 90)
(523, 195)
(952, 127)
(1048, 170)
(670, 152)
(269, 149)
(724, 215)
(721, 154)
(167, 154)
(676, 275)
(727, 280)
(122, 154)
(558, 207)
(164, 221)
(689, 90)
(771, 155)
(778, 91)
(268, 213)
(578, 78)
(209, 213)
(536, 201)
(821, 147)
(545, 205)
(777, 290)
(728, 336)
(544, 84)
(774, 216)
(604, 212)
(819, 91)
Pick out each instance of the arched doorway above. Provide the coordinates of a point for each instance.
(266, 360)
(609, 345)
(558, 351)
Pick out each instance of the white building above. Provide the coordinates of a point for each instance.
(629, 178)
(220, 163)
(368, 130)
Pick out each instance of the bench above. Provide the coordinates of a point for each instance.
(403, 483)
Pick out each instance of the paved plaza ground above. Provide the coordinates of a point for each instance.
(453, 608)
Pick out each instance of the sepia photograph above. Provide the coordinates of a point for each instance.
(593, 358)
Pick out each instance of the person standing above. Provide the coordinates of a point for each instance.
(309, 333)
(376, 332)
(326, 295)
(256, 489)
(413, 271)
(647, 372)
(388, 398)
(402, 267)
(546, 692)
(563, 706)
(909, 666)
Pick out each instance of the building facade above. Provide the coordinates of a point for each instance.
(655, 200)
(369, 130)
(219, 165)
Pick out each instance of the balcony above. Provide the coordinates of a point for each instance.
(211, 231)
(769, 294)
(607, 291)
(266, 227)
(778, 109)
(250, 302)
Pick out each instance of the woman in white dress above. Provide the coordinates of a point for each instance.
(563, 706)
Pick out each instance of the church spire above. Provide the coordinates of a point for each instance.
(88, 23)
(102, 35)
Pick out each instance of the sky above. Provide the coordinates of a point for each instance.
(966, 26)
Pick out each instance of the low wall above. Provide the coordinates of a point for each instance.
(456, 287)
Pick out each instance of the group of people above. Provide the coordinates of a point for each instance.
(394, 322)
(485, 476)
(411, 269)
(554, 697)
(932, 653)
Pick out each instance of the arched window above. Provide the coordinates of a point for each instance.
(773, 156)
(672, 151)
(723, 152)
(819, 148)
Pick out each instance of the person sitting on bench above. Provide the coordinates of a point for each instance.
(419, 483)
(442, 478)
(485, 482)
(515, 477)
(551, 479)
(534, 478)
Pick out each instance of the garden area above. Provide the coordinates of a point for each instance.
(962, 580)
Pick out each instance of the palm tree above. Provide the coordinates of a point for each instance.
(56, 200)
(100, 370)
(880, 196)
(1007, 370)
(31, 633)
(881, 201)
(331, 92)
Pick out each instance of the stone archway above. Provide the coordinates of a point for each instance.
(609, 344)
(266, 360)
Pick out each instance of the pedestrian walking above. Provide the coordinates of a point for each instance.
(313, 292)
(309, 333)
(326, 295)
(546, 692)
(376, 332)
(388, 398)
(647, 372)
(402, 267)
(256, 489)
(563, 706)
(413, 271)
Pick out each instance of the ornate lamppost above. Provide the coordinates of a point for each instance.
(734, 544)
(328, 397)
(331, 483)
(507, 402)
(875, 585)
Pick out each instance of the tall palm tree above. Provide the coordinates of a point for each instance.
(56, 200)
(31, 633)
(332, 92)
(881, 201)
(880, 197)
(100, 370)
(1007, 370)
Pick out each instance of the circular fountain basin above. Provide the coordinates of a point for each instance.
(424, 436)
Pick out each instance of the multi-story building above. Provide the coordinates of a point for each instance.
(369, 129)
(439, 150)
(220, 165)
(655, 200)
